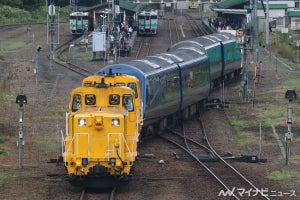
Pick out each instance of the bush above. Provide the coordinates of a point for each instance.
(9, 15)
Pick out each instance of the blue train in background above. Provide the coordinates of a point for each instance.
(179, 81)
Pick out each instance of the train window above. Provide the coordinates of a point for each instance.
(90, 99)
(127, 102)
(133, 87)
(114, 99)
(76, 102)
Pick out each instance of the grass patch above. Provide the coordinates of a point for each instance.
(283, 175)
(8, 177)
(83, 55)
(3, 152)
(294, 83)
(14, 46)
(245, 139)
(239, 123)
(48, 143)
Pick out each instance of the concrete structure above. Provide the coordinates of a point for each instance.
(286, 14)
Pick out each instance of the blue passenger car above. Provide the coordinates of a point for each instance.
(223, 53)
(179, 81)
(168, 81)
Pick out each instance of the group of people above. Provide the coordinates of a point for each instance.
(219, 25)
(122, 30)
(118, 35)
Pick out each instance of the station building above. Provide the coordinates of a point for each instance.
(282, 14)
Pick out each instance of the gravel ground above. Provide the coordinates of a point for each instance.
(44, 120)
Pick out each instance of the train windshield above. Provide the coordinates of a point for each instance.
(127, 102)
(76, 102)
(133, 87)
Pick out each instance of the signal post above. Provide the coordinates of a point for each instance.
(21, 100)
(290, 95)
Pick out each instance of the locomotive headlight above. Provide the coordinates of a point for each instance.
(81, 122)
(115, 122)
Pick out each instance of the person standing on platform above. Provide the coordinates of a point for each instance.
(130, 31)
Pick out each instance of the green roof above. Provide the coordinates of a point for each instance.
(134, 7)
(231, 3)
(293, 13)
(123, 4)
(271, 6)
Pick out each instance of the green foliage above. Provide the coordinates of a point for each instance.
(12, 3)
(245, 139)
(88, 3)
(286, 47)
(13, 46)
(282, 175)
(9, 15)
(3, 152)
(236, 122)
(14, 15)
(6, 178)
(294, 83)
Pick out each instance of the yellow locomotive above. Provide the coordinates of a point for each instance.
(103, 127)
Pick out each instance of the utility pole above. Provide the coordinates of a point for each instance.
(267, 24)
(37, 63)
(241, 39)
(115, 10)
(52, 30)
(246, 37)
(21, 100)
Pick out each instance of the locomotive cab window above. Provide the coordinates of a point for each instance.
(90, 99)
(114, 99)
(127, 102)
(133, 87)
(76, 102)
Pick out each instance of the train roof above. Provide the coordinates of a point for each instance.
(148, 12)
(160, 62)
(204, 42)
(79, 14)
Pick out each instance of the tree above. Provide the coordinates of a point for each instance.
(32, 4)
(12, 3)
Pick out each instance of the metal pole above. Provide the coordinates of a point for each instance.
(244, 83)
(290, 94)
(20, 140)
(36, 68)
(52, 32)
(260, 130)
(267, 23)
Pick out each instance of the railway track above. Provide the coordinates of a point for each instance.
(144, 47)
(174, 34)
(197, 26)
(229, 178)
(88, 194)
(61, 50)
